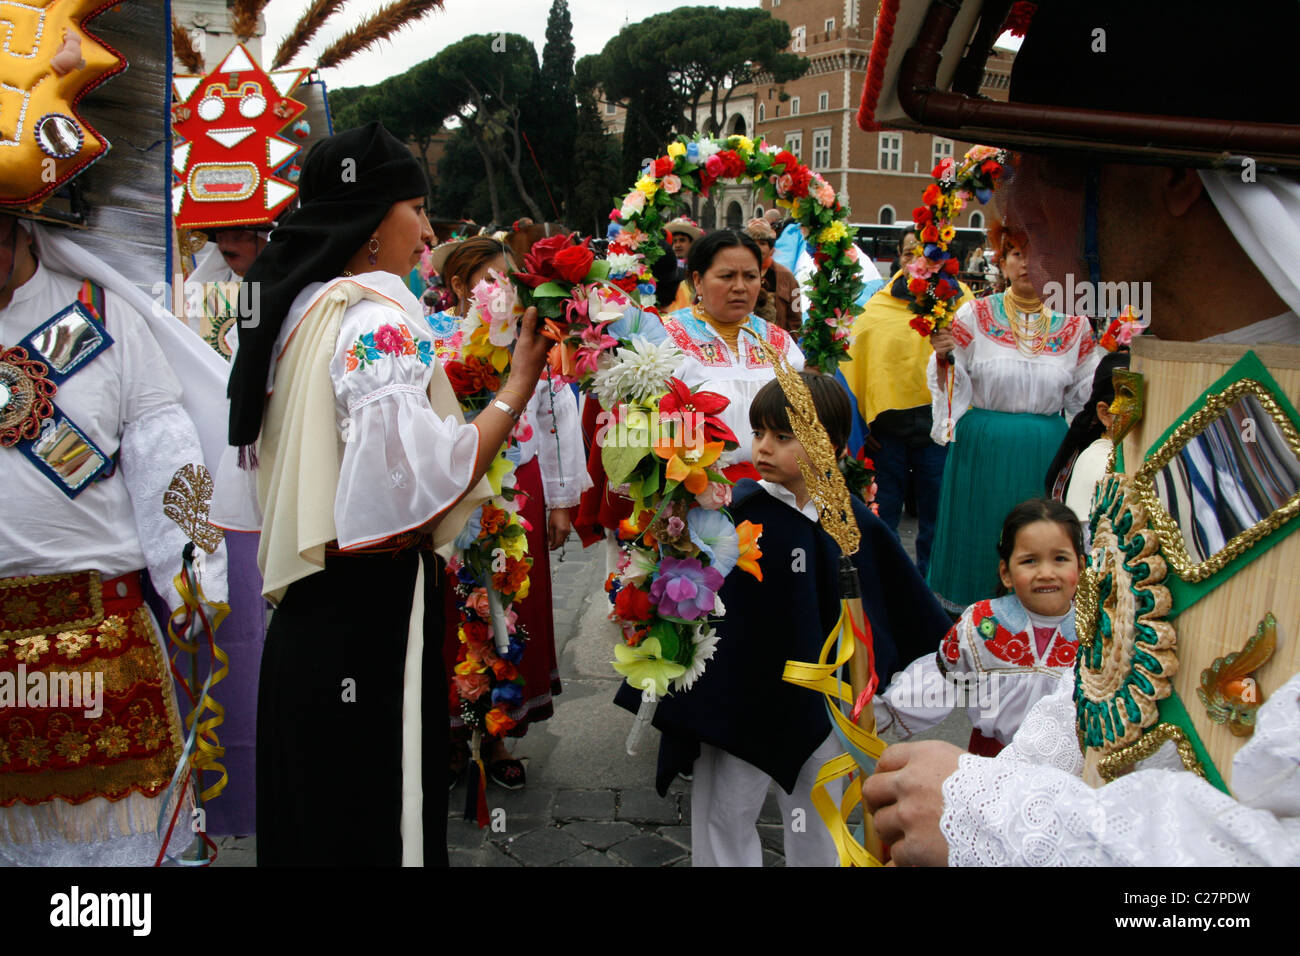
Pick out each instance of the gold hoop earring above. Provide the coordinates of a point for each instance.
(374, 250)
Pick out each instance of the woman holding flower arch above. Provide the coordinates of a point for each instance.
(1010, 367)
(355, 464)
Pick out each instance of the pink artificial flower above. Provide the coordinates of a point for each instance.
(672, 183)
(676, 526)
(388, 339)
(784, 183)
(478, 603)
(714, 496)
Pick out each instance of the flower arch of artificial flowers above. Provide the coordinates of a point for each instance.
(695, 165)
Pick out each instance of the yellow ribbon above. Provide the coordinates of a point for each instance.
(821, 677)
(208, 748)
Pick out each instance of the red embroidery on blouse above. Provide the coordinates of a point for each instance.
(708, 353)
(755, 357)
(961, 333)
(1086, 346)
(1063, 653)
(951, 646)
(1015, 649)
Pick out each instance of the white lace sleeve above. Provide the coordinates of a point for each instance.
(1009, 812)
(403, 465)
(154, 446)
(560, 453)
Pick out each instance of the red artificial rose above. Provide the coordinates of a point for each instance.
(917, 286)
(945, 290)
(931, 195)
(930, 233)
(951, 266)
(633, 604)
(463, 381)
(615, 214)
(733, 165)
(990, 166)
(921, 324)
(921, 215)
(539, 262)
(786, 159)
(574, 262)
(626, 283)
(801, 178)
(663, 166)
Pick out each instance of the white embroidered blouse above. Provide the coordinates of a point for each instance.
(990, 371)
(710, 364)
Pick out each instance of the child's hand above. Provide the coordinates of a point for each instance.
(905, 796)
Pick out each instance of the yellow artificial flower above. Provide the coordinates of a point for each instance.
(745, 143)
(947, 233)
(648, 186)
(794, 209)
(515, 546)
(497, 471)
(835, 232)
(676, 149)
(645, 668)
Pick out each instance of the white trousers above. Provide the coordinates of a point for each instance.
(727, 796)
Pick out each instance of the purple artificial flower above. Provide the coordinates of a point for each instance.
(684, 588)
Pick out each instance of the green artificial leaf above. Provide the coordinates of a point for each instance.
(669, 640)
(599, 271)
(622, 455)
(549, 289)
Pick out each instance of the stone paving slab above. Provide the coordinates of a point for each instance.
(600, 836)
(648, 850)
(545, 846)
(584, 805)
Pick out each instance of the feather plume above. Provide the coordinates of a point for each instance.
(243, 17)
(379, 26)
(313, 19)
(183, 49)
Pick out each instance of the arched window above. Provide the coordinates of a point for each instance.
(977, 220)
(735, 215)
(709, 216)
(737, 125)
(762, 112)
(886, 216)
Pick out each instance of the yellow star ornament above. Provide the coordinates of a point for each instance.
(48, 62)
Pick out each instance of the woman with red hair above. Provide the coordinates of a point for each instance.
(1001, 377)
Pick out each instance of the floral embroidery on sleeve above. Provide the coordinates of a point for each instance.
(387, 340)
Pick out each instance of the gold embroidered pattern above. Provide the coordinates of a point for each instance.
(30, 649)
(113, 741)
(1114, 765)
(34, 750)
(22, 600)
(186, 503)
(150, 732)
(72, 643)
(1171, 536)
(63, 604)
(111, 633)
(72, 746)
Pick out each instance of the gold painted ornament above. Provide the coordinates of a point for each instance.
(186, 503)
(48, 62)
(1228, 688)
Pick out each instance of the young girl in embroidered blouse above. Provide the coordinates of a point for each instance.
(1005, 653)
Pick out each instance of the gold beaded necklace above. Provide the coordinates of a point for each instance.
(1029, 322)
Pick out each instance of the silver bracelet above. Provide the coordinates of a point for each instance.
(514, 415)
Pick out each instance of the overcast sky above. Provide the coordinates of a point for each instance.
(594, 22)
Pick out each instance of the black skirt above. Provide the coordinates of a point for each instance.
(329, 716)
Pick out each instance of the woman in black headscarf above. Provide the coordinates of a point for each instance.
(363, 465)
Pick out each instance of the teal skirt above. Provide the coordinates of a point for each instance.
(997, 461)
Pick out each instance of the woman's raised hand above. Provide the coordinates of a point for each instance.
(943, 343)
(530, 349)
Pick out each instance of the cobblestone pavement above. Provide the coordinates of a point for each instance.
(588, 803)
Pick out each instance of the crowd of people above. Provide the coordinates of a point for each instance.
(351, 456)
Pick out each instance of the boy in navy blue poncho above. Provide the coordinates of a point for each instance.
(741, 727)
